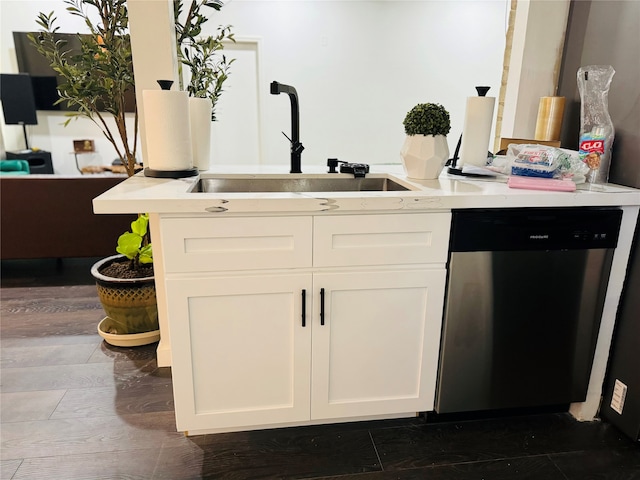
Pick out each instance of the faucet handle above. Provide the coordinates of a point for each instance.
(297, 148)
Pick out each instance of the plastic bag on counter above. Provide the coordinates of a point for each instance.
(596, 128)
(542, 161)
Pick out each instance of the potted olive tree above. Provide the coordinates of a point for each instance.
(97, 82)
(425, 149)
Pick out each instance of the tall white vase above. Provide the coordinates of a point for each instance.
(424, 156)
(200, 116)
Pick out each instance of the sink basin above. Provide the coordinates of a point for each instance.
(298, 184)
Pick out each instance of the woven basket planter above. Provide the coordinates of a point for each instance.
(130, 304)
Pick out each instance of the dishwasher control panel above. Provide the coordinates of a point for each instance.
(534, 229)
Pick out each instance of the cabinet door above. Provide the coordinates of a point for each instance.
(377, 352)
(241, 356)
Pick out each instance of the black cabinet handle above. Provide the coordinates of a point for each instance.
(322, 306)
(304, 307)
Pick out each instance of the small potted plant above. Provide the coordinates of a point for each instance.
(126, 289)
(425, 149)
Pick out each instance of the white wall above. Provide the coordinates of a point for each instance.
(358, 67)
(535, 62)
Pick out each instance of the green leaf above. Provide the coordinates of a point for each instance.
(146, 254)
(129, 245)
(139, 226)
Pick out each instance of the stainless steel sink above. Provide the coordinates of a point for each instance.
(298, 184)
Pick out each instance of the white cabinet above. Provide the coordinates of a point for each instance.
(344, 324)
(240, 354)
(378, 348)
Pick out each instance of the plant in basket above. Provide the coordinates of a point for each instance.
(125, 283)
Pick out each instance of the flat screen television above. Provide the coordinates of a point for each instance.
(43, 78)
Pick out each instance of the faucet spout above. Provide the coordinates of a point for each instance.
(296, 146)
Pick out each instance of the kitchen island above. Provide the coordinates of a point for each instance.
(255, 289)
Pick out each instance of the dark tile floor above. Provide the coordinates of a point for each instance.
(73, 407)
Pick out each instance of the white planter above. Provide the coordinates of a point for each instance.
(200, 117)
(424, 156)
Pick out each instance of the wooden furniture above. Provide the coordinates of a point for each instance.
(51, 216)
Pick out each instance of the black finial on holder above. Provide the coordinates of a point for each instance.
(165, 84)
(482, 91)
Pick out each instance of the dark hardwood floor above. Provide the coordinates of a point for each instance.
(73, 407)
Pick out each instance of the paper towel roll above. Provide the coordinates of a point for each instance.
(477, 131)
(168, 130)
(549, 121)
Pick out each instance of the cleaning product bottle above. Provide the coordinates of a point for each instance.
(596, 127)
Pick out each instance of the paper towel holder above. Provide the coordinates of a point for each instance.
(482, 91)
(452, 162)
(189, 172)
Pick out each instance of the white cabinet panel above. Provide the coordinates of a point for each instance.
(230, 244)
(381, 239)
(245, 356)
(377, 351)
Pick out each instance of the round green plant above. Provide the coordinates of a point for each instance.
(427, 119)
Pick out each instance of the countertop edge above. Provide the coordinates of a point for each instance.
(172, 196)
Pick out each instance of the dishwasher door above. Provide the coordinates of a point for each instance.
(520, 326)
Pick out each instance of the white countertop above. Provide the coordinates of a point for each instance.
(154, 195)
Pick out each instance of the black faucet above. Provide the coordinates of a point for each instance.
(296, 146)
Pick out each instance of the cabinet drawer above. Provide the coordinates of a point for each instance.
(393, 239)
(223, 244)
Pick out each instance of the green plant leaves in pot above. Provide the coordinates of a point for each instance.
(427, 119)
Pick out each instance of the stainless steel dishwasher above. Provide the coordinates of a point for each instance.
(525, 295)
